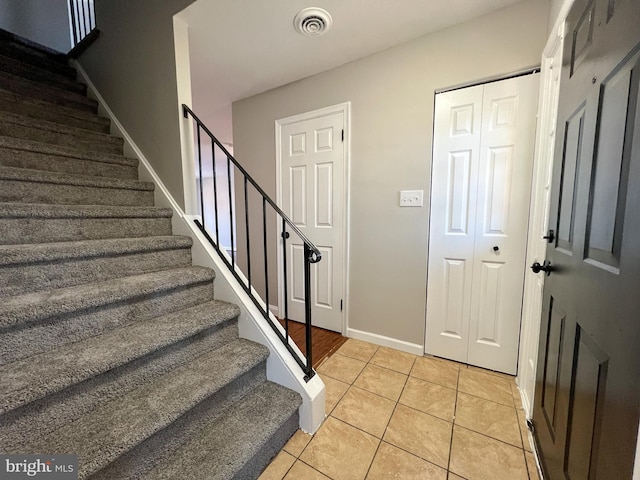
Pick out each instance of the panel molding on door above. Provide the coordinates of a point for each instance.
(506, 169)
(481, 176)
(452, 226)
(311, 188)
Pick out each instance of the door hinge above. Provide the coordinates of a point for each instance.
(343, 134)
(340, 305)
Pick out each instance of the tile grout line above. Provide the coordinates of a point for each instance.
(415, 409)
(313, 468)
(490, 437)
(390, 417)
(526, 463)
(483, 398)
(453, 423)
(295, 459)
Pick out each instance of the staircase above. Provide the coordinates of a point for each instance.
(112, 345)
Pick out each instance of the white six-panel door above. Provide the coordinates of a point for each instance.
(481, 181)
(312, 186)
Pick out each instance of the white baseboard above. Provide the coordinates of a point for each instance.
(386, 341)
(275, 310)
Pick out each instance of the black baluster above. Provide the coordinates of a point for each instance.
(201, 177)
(285, 235)
(307, 308)
(73, 21)
(266, 264)
(246, 223)
(215, 191)
(233, 257)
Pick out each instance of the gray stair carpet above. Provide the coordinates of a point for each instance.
(112, 344)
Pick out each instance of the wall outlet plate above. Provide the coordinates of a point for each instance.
(411, 198)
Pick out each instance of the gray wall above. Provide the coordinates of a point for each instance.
(45, 22)
(132, 64)
(554, 10)
(392, 95)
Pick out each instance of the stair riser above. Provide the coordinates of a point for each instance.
(112, 145)
(35, 74)
(48, 94)
(52, 115)
(14, 231)
(30, 57)
(44, 416)
(53, 332)
(138, 461)
(61, 194)
(261, 459)
(10, 157)
(20, 279)
(22, 105)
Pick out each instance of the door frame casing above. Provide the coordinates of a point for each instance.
(538, 220)
(345, 109)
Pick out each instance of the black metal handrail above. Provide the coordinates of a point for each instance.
(83, 19)
(311, 252)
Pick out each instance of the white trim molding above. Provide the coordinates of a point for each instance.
(383, 341)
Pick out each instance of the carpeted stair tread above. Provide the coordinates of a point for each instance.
(29, 128)
(58, 127)
(36, 306)
(50, 162)
(46, 187)
(41, 108)
(34, 210)
(31, 267)
(40, 75)
(42, 176)
(117, 426)
(32, 378)
(31, 47)
(55, 252)
(22, 223)
(22, 86)
(222, 449)
(64, 151)
(37, 57)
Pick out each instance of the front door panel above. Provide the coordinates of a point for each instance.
(587, 393)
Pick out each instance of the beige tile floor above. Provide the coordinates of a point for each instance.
(393, 415)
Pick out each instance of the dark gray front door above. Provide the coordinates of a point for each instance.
(587, 397)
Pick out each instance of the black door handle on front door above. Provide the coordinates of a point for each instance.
(545, 267)
(550, 236)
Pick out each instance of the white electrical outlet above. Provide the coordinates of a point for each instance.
(411, 198)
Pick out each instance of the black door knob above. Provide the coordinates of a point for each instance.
(545, 267)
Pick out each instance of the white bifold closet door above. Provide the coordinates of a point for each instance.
(480, 193)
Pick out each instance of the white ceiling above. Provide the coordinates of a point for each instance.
(243, 47)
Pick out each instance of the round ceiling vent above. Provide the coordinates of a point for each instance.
(312, 21)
